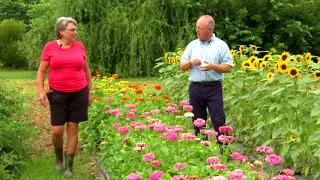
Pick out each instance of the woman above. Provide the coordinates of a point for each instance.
(70, 91)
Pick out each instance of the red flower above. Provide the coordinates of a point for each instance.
(157, 87)
(139, 91)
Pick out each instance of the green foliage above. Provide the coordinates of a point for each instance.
(13, 134)
(11, 32)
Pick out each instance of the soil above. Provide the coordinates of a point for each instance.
(40, 120)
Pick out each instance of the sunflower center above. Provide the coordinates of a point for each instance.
(318, 74)
(283, 67)
(293, 72)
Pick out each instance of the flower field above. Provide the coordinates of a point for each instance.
(145, 131)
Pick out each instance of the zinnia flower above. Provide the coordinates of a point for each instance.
(199, 122)
(123, 130)
(274, 159)
(156, 175)
(133, 176)
(178, 166)
(148, 157)
(288, 171)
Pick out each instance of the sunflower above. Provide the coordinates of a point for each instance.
(263, 65)
(269, 77)
(276, 67)
(166, 55)
(255, 65)
(241, 48)
(283, 67)
(316, 74)
(318, 60)
(246, 64)
(239, 53)
(252, 58)
(273, 50)
(293, 138)
(233, 63)
(232, 52)
(253, 47)
(267, 57)
(293, 72)
(284, 56)
(180, 52)
(308, 57)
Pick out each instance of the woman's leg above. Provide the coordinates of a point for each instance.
(72, 142)
(57, 140)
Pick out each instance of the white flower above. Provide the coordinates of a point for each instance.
(188, 114)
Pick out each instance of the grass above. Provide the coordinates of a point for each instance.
(16, 74)
(43, 168)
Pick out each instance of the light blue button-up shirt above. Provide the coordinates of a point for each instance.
(214, 51)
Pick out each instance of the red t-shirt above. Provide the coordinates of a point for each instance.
(66, 73)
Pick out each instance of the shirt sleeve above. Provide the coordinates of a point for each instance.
(187, 53)
(45, 53)
(84, 53)
(226, 56)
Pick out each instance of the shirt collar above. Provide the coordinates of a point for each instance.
(211, 40)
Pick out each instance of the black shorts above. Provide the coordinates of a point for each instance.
(68, 106)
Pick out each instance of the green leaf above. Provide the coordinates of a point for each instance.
(277, 91)
(293, 102)
(277, 119)
(317, 92)
(268, 142)
(315, 136)
(284, 150)
(315, 111)
(294, 154)
(277, 132)
(317, 153)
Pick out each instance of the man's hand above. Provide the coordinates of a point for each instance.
(205, 66)
(195, 62)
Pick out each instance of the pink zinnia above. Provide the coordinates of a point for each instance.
(176, 111)
(236, 175)
(183, 103)
(118, 114)
(283, 177)
(264, 149)
(187, 108)
(251, 166)
(225, 129)
(148, 157)
(123, 130)
(130, 106)
(109, 99)
(220, 167)
(155, 111)
(156, 175)
(155, 163)
(288, 171)
(212, 160)
(116, 125)
(225, 139)
(161, 127)
(205, 143)
(188, 137)
(258, 163)
(178, 166)
(138, 149)
(172, 136)
(133, 176)
(274, 159)
(141, 144)
(180, 177)
(141, 127)
(199, 122)
(242, 158)
(106, 107)
(168, 110)
(131, 115)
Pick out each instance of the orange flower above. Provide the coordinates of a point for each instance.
(98, 98)
(125, 99)
(115, 76)
(139, 91)
(96, 88)
(157, 87)
(166, 101)
(134, 86)
(165, 97)
(140, 99)
(155, 98)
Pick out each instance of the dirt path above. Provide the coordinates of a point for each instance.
(40, 120)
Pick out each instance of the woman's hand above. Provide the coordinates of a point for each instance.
(90, 98)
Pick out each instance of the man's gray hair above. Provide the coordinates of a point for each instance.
(210, 20)
(62, 23)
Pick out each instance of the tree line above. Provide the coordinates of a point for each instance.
(125, 37)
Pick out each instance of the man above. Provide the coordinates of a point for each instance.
(208, 58)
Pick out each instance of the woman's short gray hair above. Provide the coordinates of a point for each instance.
(62, 23)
